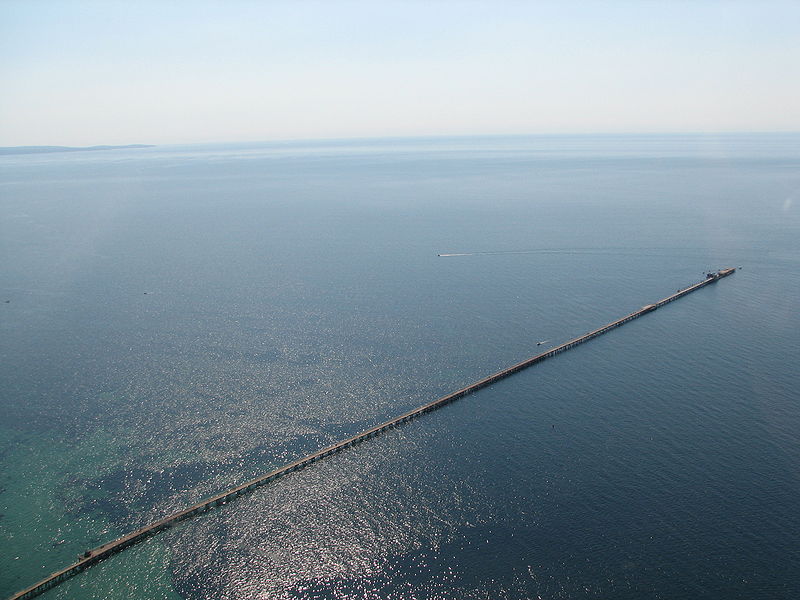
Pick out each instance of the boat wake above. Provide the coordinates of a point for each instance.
(601, 251)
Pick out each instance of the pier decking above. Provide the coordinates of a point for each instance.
(101, 552)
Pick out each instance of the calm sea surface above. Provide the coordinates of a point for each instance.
(175, 320)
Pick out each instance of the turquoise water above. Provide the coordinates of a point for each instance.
(180, 319)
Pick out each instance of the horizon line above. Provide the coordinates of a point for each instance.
(333, 139)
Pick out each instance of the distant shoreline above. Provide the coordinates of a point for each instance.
(46, 149)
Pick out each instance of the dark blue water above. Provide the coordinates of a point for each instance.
(178, 319)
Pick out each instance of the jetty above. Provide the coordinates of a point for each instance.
(91, 557)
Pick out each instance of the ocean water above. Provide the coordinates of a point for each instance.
(178, 319)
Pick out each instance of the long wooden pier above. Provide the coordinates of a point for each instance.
(94, 556)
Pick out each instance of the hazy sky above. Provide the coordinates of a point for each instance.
(81, 73)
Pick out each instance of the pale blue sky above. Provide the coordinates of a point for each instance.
(81, 73)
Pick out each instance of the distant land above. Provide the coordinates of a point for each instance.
(43, 149)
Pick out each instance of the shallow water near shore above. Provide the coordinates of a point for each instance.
(177, 320)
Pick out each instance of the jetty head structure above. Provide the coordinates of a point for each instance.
(91, 557)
